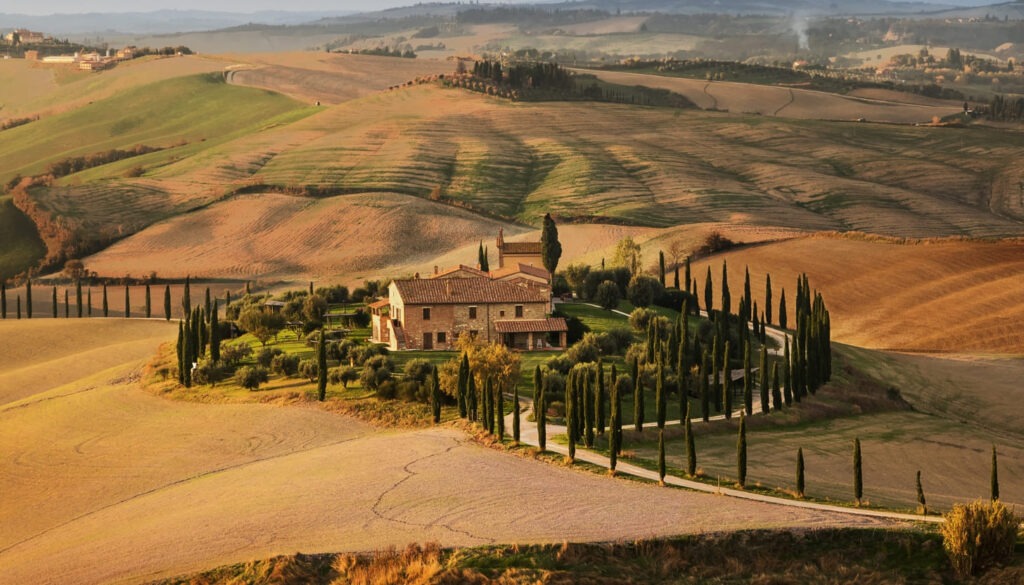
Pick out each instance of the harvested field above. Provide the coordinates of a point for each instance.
(942, 296)
(766, 100)
(104, 482)
(347, 238)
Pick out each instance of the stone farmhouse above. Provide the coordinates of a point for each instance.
(511, 305)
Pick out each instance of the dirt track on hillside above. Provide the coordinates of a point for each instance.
(112, 484)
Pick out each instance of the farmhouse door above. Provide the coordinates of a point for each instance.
(428, 341)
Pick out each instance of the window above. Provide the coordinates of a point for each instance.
(501, 313)
(472, 312)
(442, 337)
(426, 313)
(519, 311)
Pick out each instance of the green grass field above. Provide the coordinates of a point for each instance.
(20, 246)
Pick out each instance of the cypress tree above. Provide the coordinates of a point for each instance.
(638, 398)
(89, 301)
(310, 288)
(600, 397)
(716, 376)
(615, 431)
(550, 247)
(763, 376)
(321, 365)
(994, 480)
(659, 392)
(3, 300)
(248, 288)
(686, 275)
(186, 297)
(589, 409)
(515, 414)
(787, 394)
(227, 299)
(691, 449)
(705, 401)
(208, 304)
(53, 301)
(858, 472)
(782, 309)
(741, 453)
(215, 334)
(106, 307)
(661, 267)
(28, 297)
(19, 307)
(435, 396)
(776, 391)
(471, 397)
(922, 504)
(709, 293)
(181, 353)
(747, 298)
(149, 304)
(768, 298)
(78, 297)
(538, 386)
(748, 384)
(167, 302)
(727, 384)
(127, 303)
(800, 473)
(787, 369)
(488, 399)
(726, 297)
(542, 418)
(499, 411)
(463, 385)
(570, 428)
(661, 456)
(67, 303)
(675, 278)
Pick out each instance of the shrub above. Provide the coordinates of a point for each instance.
(334, 294)
(376, 371)
(250, 377)
(209, 372)
(714, 242)
(360, 354)
(266, 356)
(643, 290)
(979, 535)
(287, 365)
(585, 350)
(559, 363)
(607, 295)
(343, 375)
(235, 353)
(620, 338)
(671, 298)
(418, 369)
(640, 319)
(308, 369)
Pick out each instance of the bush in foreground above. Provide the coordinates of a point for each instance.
(250, 377)
(979, 535)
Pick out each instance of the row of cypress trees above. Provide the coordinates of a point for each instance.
(83, 303)
(486, 407)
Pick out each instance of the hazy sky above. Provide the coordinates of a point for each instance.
(77, 6)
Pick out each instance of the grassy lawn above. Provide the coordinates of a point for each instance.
(20, 245)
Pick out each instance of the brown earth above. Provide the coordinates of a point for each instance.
(104, 482)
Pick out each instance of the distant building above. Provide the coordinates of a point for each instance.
(25, 37)
(511, 253)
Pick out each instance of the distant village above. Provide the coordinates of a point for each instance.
(36, 46)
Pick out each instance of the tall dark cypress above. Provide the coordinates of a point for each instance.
(149, 303)
(209, 304)
(768, 298)
(588, 406)
(599, 418)
(215, 334)
(499, 411)
(3, 300)
(686, 276)
(127, 303)
(167, 302)
(858, 472)
(515, 414)
(709, 293)
(661, 456)
(186, 297)
(570, 428)
(675, 277)
(67, 303)
(542, 420)
(106, 306)
(921, 502)
(78, 297)
(741, 453)
(181, 352)
(471, 397)
(782, 310)
(463, 385)
(19, 307)
(661, 267)
(716, 374)
(705, 400)
(28, 297)
(53, 301)
(321, 366)
(994, 479)
(659, 393)
(800, 472)
(726, 296)
(747, 299)
(776, 391)
(488, 401)
(763, 376)
(638, 398)
(726, 384)
(748, 384)
(691, 448)
(538, 386)
(615, 431)
(88, 300)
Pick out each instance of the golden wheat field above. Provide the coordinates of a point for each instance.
(88, 463)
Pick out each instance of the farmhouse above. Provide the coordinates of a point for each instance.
(433, 313)
(511, 253)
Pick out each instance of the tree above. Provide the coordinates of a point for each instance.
(746, 314)
(858, 473)
(570, 428)
(705, 400)
(638, 397)
(607, 295)
(921, 503)
(661, 268)
(659, 393)
(541, 415)
(709, 293)
(88, 300)
(463, 385)
(106, 307)
(800, 473)
(321, 363)
(550, 247)
(214, 334)
(776, 390)
(261, 324)
(726, 296)
(250, 377)
(616, 425)
(627, 253)
(481, 258)
(726, 384)
(599, 394)
(748, 383)
(661, 456)
(167, 303)
(741, 453)
(435, 395)
(643, 290)
(149, 305)
(994, 479)
(3, 300)
(127, 303)
(515, 414)
(782, 309)
(28, 297)
(186, 297)
(691, 449)
(67, 303)
(78, 297)
(207, 305)
(53, 302)
(768, 298)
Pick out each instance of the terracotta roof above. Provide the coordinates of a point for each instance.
(380, 304)
(528, 269)
(531, 325)
(458, 291)
(460, 268)
(521, 248)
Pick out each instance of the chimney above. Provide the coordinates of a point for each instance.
(416, 276)
(435, 269)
